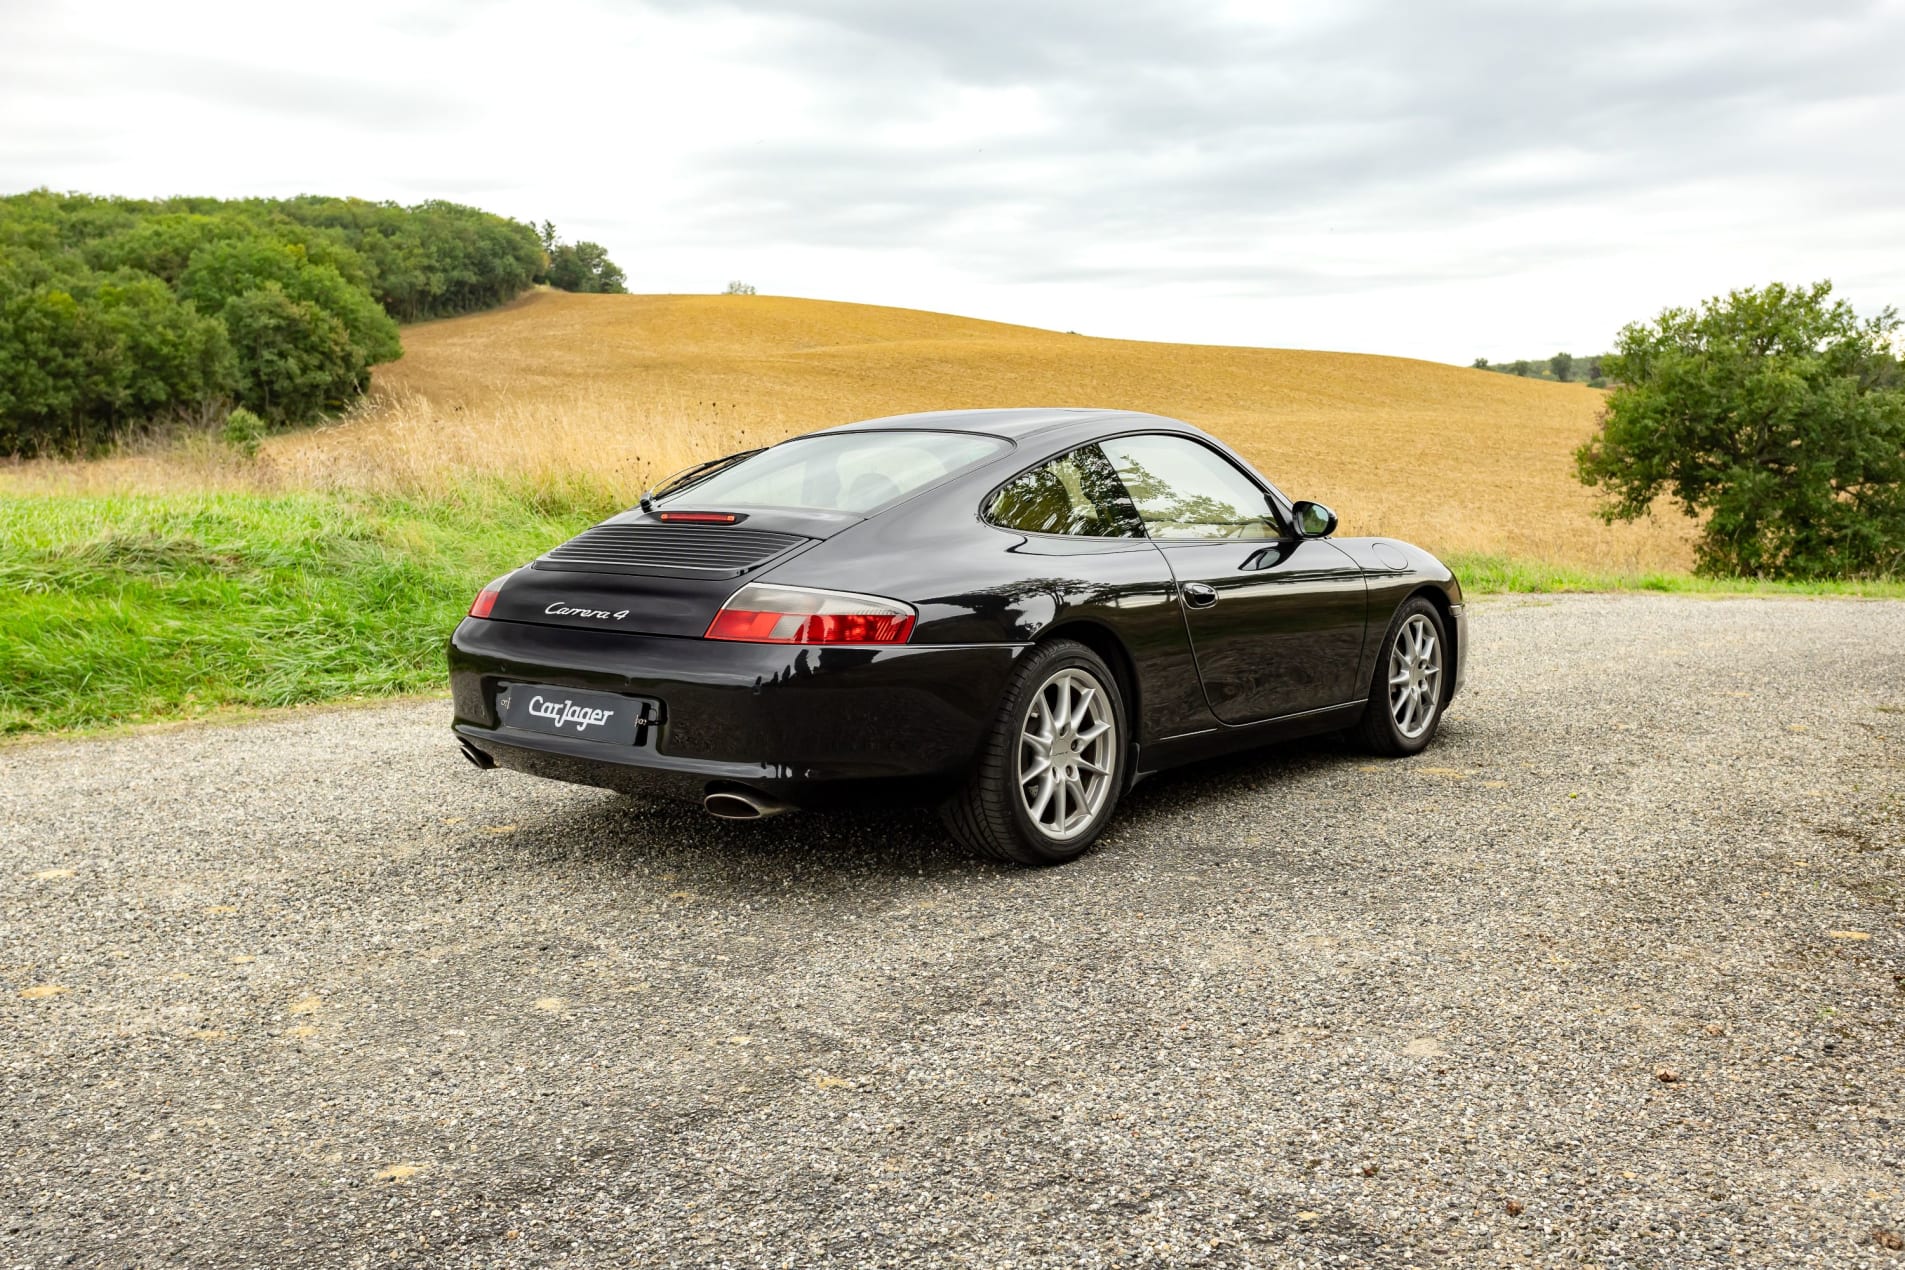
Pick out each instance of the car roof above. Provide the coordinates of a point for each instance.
(1014, 424)
(1043, 431)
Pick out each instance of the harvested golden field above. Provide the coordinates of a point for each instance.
(616, 390)
(1453, 458)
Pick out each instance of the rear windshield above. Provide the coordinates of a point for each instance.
(841, 471)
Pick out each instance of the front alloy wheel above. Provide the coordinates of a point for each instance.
(1050, 774)
(1406, 695)
(1415, 676)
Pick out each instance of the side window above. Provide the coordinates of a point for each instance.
(1076, 494)
(1186, 490)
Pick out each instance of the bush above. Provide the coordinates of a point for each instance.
(1779, 415)
(115, 313)
(739, 288)
(243, 431)
(84, 355)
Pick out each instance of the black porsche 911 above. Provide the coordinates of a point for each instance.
(1013, 614)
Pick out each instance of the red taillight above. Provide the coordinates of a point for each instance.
(800, 615)
(770, 627)
(486, 598)
(698, 518)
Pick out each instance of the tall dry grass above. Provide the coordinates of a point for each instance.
(601, 395)
(404, 443)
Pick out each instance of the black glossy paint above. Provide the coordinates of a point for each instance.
(1286, 647)
(1281, 629)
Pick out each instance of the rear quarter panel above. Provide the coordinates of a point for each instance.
(974, 583)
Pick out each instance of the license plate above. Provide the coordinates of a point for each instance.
(593, 716)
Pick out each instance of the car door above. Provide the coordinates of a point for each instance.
(1276, 622)
(1084, 553)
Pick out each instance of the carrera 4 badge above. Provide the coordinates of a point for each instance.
(562, 609)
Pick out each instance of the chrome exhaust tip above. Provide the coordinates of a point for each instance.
(742, 804)
(476, 756)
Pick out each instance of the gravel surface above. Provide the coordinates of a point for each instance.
(1613, 974)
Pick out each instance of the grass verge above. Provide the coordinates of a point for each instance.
(120, 609)
(1492, 574)
(127, 609)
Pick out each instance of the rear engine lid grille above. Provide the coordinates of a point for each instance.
(683, 551)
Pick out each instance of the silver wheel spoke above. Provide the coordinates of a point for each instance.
(1046, 789)
(1067, 755)
(1415, 669)
(1076, 800)
(1082, 710)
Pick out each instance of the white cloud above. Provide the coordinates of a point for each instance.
(1435, 180)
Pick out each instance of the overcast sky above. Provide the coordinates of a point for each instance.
(1439, 180)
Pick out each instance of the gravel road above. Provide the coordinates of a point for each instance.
(1613, 974)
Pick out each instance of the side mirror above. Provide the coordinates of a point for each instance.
(1313, 520)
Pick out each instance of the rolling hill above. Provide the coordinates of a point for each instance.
(616, 389)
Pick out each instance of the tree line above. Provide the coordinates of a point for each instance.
(116, 313)
(1562, 368)
(584, 266)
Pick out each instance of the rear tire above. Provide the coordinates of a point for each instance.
(1409, 684)
(1050, 771)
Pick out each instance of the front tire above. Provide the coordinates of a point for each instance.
(1408, 687)
(1050, 772)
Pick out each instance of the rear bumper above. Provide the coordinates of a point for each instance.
(813, 726)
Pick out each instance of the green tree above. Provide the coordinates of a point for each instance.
(221, 270)
(162, 245)
(286, 316)
(152, 353)
(112, 310)
(1480, 363)
(83, 355)
(585, 267)
(1524, 368)
(1779, 414)
(43, 369)
(295, 360)
(1562, 364)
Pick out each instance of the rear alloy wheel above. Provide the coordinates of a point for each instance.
(1052, 769)
(1407, 690)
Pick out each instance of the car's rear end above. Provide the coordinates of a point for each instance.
(673, 650)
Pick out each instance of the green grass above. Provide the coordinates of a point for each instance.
(131, 609)
(1486, 574)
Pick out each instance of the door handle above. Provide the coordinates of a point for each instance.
(1197, 595)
